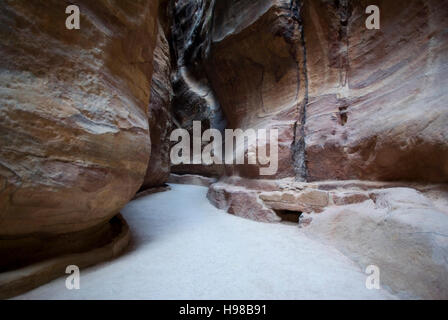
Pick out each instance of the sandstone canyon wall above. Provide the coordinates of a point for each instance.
(377, 106)
(256, 67)
(86, 115)
(349, 103)
(160, 115)
(74, 129)
(194, 98)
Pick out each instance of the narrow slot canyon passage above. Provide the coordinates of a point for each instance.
(184, 248)
(224, 149)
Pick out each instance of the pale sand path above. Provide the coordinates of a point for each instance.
(184, 248)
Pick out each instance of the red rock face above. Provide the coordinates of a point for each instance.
(73, 118)
(256, 70)
(349, 103)
(159, 115)
(377, 101)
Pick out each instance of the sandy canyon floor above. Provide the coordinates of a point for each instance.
(184, 248)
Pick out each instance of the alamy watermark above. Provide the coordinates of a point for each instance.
(207, 148)
(73, 20)
(73, 281)
(373, 278)
(373, 20)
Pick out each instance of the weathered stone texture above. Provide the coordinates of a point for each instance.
(73, 118)
(159, 115)
(377, 101)
(349, 103)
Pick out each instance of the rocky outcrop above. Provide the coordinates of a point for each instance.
(105, 247)
(159, 115)
(267, 200)
(73, 123)
(400, 232)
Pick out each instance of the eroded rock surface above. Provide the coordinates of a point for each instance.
(399, 231)
(159, 115)
(349, 103)
(73, 119)
(256, 68)
(194, 98)
(307, 197)
(377, 106)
